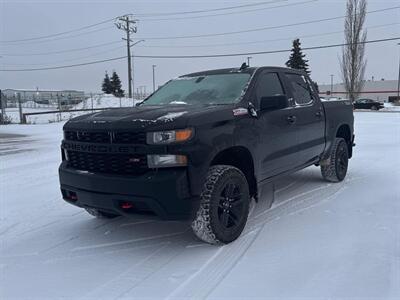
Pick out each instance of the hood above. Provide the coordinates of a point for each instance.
(152, 118)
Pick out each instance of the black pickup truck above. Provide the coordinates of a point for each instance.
(202, 146)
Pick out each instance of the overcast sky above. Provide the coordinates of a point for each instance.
(30, 19)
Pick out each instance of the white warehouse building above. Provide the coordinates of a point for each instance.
(382, 90)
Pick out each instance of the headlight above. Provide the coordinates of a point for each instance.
(166, 161)
(168, 137)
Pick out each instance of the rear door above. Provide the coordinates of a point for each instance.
(277, 150)
(309, 118)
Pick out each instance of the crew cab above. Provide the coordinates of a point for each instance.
(202, 146)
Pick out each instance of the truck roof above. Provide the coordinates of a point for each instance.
(249, 70)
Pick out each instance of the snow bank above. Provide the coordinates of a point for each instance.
(391, 107)
(105, 101)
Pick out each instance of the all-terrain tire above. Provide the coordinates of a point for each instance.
(224, 206)
(334, 169)
(100, 214)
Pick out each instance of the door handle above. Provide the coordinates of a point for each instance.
(291, 119)
(318, 114)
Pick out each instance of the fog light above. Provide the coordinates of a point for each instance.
(166, 160)
(69, 196)
(126, 205)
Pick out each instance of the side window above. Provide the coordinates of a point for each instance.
(301, 89)
(268, 85)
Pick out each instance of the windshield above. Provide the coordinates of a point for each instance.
(207, 89)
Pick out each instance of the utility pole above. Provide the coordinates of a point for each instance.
(127, 24)
(21, 116)
(2, 113)
(154, 78)
(398, 81)
(248, 60)
(332, 84)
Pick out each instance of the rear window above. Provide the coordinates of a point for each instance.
(301, 89)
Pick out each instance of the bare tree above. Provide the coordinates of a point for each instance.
(353, 62)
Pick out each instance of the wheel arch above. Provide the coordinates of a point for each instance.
(344, 132)
(241, 158)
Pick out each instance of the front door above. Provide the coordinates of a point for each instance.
(277, 149)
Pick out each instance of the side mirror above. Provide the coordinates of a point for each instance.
(273, 102)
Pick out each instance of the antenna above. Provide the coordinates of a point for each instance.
(244, 66)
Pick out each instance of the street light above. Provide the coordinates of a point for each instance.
(398, 79)
(154, 78)
(248, 60)
(133, 69)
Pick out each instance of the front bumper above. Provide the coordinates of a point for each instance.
(163, 192)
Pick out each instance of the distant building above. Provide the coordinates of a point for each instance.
(45, 96)
(382, 90)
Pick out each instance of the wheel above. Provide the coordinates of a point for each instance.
(334, 169)
(224, 206)
(373, 107)
(100, 214)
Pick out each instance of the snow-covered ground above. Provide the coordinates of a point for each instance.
(104, 101)
(320, 239)
(391, 107)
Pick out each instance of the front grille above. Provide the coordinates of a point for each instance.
(105, 137)
(122, 164)
(129, 138)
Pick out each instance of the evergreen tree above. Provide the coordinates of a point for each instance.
(297, 58)
(106, 86)
(116, 85)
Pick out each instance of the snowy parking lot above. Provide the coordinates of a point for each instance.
(318, 240)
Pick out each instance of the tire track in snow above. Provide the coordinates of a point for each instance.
(202, 283)
(126, 281)
(287, 186)
(8, 228)
(149, 238)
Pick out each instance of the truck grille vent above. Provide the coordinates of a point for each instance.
(106, 137)
(122, 164)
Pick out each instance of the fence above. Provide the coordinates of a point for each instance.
(17, 109)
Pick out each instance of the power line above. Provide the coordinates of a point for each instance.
(262, 52)
(59, 38)
(72, 59)
(228, 13)
(190, 46)
(66, 66)
(262, 41)
(140, 15)
(209, 10)
(196, 56)
(62, 51)
(261, 28)
(59, 33)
